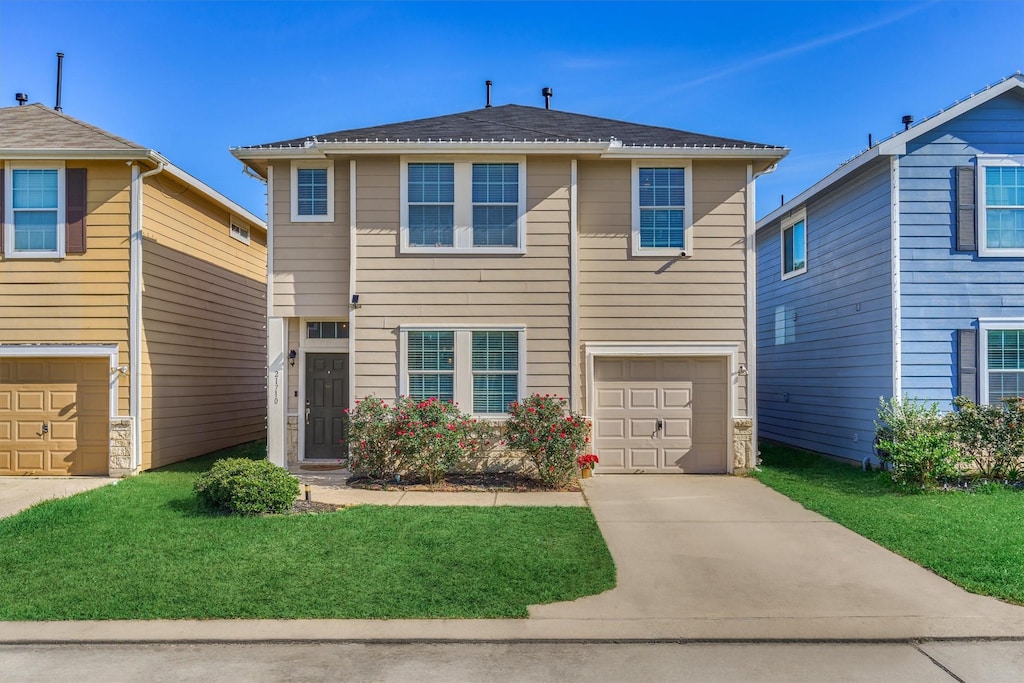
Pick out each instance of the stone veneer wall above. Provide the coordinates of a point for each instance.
(292, 441)
(743, 454)
(120, 464)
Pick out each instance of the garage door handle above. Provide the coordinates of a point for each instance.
(46, 427)
(659, 425)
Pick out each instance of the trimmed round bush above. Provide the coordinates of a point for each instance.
(247, 487)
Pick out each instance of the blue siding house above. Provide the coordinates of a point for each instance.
(900, 273)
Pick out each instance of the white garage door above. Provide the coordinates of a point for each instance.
(663, 415)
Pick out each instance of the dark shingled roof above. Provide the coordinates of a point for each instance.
(516, 123)
(36, 126)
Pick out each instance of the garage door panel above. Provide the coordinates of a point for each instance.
(689, 395)
(643, 398)
(28, 430)
(6, 399)
(64, 431)
(93, 431)
(643, 458)
(27, 400)
(30, 460)
(6, 460)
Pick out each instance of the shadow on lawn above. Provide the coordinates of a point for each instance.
(827, 473)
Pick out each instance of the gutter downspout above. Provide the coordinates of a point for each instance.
(752, 304)
(135, 310)
(574, 303)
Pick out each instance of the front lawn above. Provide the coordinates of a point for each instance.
(975, 540)
(145, 549)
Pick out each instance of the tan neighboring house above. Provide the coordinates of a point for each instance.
(484, 256)
(132, 305)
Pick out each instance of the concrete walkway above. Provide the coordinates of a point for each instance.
(20, 493)
(698, 558)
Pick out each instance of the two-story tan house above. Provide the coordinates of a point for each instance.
(132, 305)
(483, 256)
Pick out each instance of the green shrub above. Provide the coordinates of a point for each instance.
(914, 442)
(371, 438)
(552, 440)
(247, 487)
(991, 435)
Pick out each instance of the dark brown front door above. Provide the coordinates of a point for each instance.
(326, 400)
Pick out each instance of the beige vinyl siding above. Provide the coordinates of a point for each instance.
(659, 299)
(203, 327)
(396, 289)
(311, 259)
(82, 298)
(294, 342)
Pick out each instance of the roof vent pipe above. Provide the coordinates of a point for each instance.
(21, 97)
(60, 65)
(489, 84)
(871, 142)
(907, 120)
(547, 93)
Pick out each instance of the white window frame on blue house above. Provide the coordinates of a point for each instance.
(986, 325)
(986, 161)
(790, 223)
(462, 238)
(328, 216)
(687, 246)
(8, 210)
(463, 363)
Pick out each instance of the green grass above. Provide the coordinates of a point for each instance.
(975, 540)
(145, 549)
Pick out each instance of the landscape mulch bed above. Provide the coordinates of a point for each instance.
(480, 481)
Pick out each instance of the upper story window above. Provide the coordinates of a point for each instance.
(662, 208)
(1001, 206)
(326, 329)
(239, 231)
(482, 368)
(34, 210)
(794, 245)
(462, 206)
(1002, 360)
(312, 195)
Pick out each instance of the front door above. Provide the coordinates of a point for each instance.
(326, 400)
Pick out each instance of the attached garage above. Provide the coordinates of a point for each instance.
(661, 414)
(54, 416)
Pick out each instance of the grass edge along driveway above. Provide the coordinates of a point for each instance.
(145, 549)
(975, 540)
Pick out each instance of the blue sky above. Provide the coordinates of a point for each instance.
(192, 79)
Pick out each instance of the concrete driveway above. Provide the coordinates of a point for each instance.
(19, 493)
(710, 556)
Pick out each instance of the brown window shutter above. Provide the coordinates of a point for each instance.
(966, 216)
(967, 363)
(3, 207)
(75, 185)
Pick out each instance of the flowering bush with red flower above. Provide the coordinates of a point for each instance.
(413, 438)
(540, 428)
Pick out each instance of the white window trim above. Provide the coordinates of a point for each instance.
(687, 167)
(242, 228)
(8, 210)
(463, 233)
(463, 382)
(333, 344)
(984, 325)
(793, 219)
(984, 161)
(329, 216)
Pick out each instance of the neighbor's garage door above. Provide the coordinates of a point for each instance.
(661, 414)
(54, 416)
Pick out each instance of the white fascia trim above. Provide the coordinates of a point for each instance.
(635, 249)
(293, 191)
(463, 379)
(463, 206)
(108, 351)
(353, 280)
(984, 326)
(985, 161)
(791, 220)
(7, 211)
(895, 270)
(263, 153)
(574, 295)
(834, 176)
(897, 144)
(461, 147)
